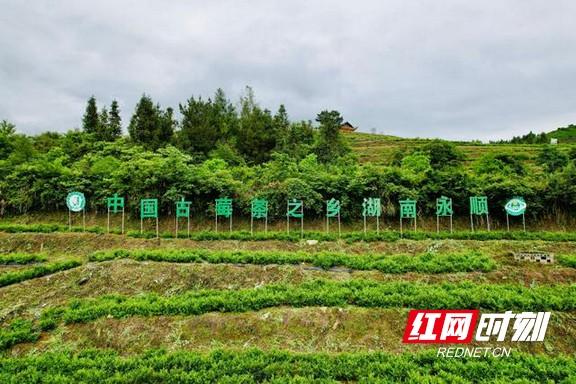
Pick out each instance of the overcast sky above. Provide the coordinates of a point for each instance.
(457, 69)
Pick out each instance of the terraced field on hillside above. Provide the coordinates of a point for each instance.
(380, 149)
(90, 307)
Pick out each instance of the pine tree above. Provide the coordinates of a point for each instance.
(205, 124)
(149, 125)
(90, 121)
(103, 125)
(255, 138)
(115, 121)
(282, 129)
(330, 145)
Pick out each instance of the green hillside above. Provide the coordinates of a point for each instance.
(564, 134)
(380, 149)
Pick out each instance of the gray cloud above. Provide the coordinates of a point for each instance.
(454, 69)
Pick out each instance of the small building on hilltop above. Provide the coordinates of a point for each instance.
(347, 127)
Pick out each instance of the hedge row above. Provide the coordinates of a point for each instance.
(256, 366)
(363, 293)
(295, 236)
(13, 277)
(425, 263)
(21, 258)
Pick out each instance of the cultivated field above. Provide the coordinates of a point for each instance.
(380, 149)
(82, 307)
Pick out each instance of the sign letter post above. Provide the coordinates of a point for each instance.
(224, 208)
(183, 210)
(407, 211)
(115, 204)
(479, 207)
(332, 210)
(259, 210)
(295, 209)
(76, 202)
(516, 206)
(149, 210)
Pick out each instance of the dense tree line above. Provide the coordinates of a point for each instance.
(218, 149)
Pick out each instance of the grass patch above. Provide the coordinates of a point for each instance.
(425, 263)
(256, 366)
(13, 277)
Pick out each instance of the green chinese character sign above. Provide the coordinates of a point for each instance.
(259, 210)
(115, 204)
(295, 209)
(224, 208)
(407, 211)
(516, 206)
(479, 207)
(443, 209)
(332, 211)
(148, 210)
(372, 207)
(444, 206)
(183, 208)
(332, 208)
(183, 211)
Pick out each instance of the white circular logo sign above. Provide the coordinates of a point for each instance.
(515, 206)
(75, 201)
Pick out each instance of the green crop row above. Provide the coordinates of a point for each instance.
(363, 293)
(17, 276)
(425, 263)
(21, 258)
(295, 236)
(567, 260)
(256, 366)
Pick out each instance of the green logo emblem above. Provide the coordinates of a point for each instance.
(516, 206)
(75, 201)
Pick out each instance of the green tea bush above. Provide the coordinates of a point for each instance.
(13, 277)
(567, 260)
(21, 258)
(19, 331)
(363, 293)
(256, 366)
(388, 236)
(426, 263)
